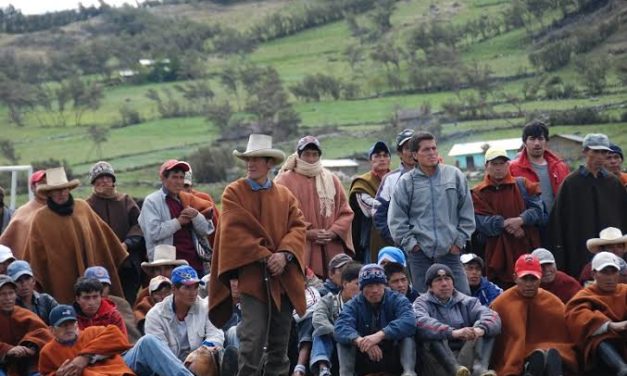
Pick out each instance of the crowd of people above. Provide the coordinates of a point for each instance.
(411, 271)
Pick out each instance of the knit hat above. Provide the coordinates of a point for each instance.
(371, 273)
(617, 150)
(99, 169)
(437, 270)
(391, 254)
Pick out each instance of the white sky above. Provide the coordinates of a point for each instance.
(43, 6)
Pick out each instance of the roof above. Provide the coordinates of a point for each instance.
(337, 163)
(571, 137)
(471, 148)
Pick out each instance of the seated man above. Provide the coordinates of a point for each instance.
(398, 280)
(6, 258)
(554, 281)
(102, 350)
(41, 304)
(449, 322)
(611, 240)
(92, 309)
(480, 287)
(164, 262)
(333, 283)
(324, 316)
(181, 321)
(597, 318)
(534, 340)
(159, 288)
(375, 330)
(22, 333)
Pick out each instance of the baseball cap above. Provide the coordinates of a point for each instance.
(185, 275)
(377, 147)
(37, 176)
(19, 268)
(157, 282)
(6, 253)
(308, 140)
(596, 141)
(61, 314)
(172, 164)
(404, 136)
(617, 150)
(604, 259)
(437, 270)
(5, 279)
(467, 258)
(99, 273)
(528, 265)
(544, 255)
(339, 260)
(493, 153)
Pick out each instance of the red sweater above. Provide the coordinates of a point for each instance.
(107, 314)
(558, 170)
(563, 286)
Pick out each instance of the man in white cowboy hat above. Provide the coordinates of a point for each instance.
(261, 236)
(120, 212)
(323, 202)
(67, 237)
(611, 240)
(175, 217)
(589, 200)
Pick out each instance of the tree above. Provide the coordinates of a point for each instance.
(7, 149)
(211, 164)
(220, 115)
(86, 96)
(593, 72)
(552, 56)
(98, 135)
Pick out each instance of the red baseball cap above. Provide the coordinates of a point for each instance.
(37, 176)
(173, 163)
(528, 265)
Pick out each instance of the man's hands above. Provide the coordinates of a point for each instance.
(370, 345)
(620, 326)
(455, 250)
(321, 237)
(468, 333)
(20, 352)
(514, 226)
(73, 367)
(276, 263)
(187, 215)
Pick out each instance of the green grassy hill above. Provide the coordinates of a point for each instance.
(351, 124)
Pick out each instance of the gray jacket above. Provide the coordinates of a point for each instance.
(325, 313)
(436, 320)
(433, 212)
(159, 226)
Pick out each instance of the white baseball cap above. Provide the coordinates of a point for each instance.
(604, 259)
(6, 253)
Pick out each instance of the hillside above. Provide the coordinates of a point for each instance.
(462, 67)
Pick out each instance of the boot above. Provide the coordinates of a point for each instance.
(483, 352)
(535, 363)
(553, 364)
(612, 358)
(445, 356)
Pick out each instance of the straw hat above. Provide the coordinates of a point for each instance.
(57, 179)
(164, 255)
(610, 235)
(260, 145)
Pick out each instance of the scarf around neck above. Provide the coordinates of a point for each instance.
(64, 209)
(325, 186)
(104, 192)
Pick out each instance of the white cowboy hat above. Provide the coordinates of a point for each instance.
(57, 179)
(610, 235)
(164, 255)
(260, 145)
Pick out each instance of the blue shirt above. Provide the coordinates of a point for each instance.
(258, 187)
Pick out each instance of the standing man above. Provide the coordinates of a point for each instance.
(614, 163)
(431, 215)
(120, 212)
(384, 195)
(508, 213)
(589, 200)
(66, 237)
(539, 164)
(173, 217)
(5, 213)
(323, 202)
(260, 241)
(362, 200)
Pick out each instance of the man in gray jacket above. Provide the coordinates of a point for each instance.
(449, 322)
(431, 214)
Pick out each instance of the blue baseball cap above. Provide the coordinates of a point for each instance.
(99, 273)
(19, 268)
(377, 147)
(61, 314)
(185, 275)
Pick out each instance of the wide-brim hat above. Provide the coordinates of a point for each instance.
(164, 254)
(260, 145)
(57, 179)
(607, 236)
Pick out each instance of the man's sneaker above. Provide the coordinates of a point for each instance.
(535, 364)
(324, 371)
(553, 363)
(229, 362)
(462, 371)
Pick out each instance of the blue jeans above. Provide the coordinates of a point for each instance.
(35, 373)
(400, 354)
(230, 337)
(419, 263)
(322, 350)
(150, 356)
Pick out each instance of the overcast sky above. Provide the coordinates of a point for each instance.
(43, 6)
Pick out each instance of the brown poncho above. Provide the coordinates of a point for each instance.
(304, 188)
(120, 212)
(587, 311)
(16, 234)
(20, 328)
(529, 324)
(366, 238)
(60, 248)
(254, 225)
(506, 200)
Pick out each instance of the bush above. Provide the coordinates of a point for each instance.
(128, 116)
(211, 163)
(552, 56)
(577, 116)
